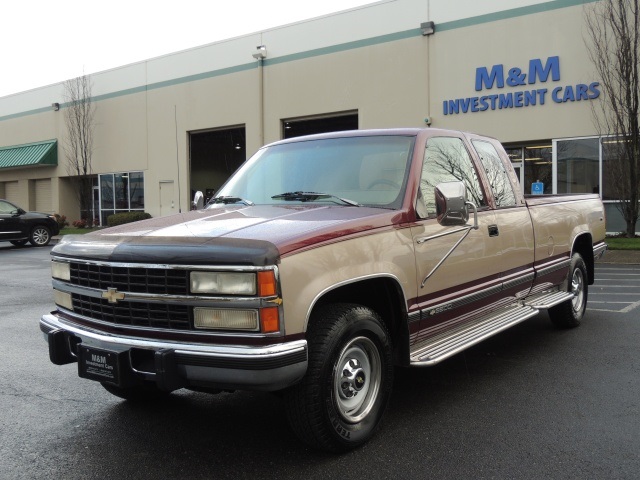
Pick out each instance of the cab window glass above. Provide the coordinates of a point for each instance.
(446, 160)
(6, 207)
(496, 174)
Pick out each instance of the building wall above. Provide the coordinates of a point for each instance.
(456, 53)
(372, 60)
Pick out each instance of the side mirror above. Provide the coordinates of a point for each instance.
(198, 201)
(451, 203)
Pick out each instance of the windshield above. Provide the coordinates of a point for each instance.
(349, 171)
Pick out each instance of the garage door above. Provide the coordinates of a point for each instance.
(12, 192)
(43, 196)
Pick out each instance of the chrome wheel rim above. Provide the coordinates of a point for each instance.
(577, 288)
(357, 378)
(40, 236)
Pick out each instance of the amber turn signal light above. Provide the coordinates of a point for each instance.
(266, 283)
(269, 320)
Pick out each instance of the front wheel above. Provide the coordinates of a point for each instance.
(40, 236)
(340, 402)
(569, 314)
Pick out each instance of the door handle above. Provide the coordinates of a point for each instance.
(493, 230)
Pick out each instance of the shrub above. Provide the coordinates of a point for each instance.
(62, 220)
(126, 217)
(80, 223)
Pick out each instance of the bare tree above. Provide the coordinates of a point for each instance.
(613, 42)
(79, 117)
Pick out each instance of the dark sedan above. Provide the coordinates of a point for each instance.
(20, 227)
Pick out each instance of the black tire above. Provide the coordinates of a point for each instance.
(339, 403)
(40, 236)
(136, 394)
(19, 243)
(569, 314)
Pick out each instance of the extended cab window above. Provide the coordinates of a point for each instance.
(496, 173)
(446, 160)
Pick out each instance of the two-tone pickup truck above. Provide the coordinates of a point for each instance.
(320, 266)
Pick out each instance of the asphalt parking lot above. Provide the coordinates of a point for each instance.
(617, 289)
(533, 402)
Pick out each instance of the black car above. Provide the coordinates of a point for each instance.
(20, 227)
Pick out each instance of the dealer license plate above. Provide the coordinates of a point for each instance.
(98, 364)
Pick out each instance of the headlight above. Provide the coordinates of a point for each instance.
(61, 270)
(225, 319)
(63, 299)
(224, 283)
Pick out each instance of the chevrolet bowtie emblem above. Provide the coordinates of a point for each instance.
(112, 295)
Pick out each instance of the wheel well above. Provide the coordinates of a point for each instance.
(384, 296)
(39, 225)
(584, 246)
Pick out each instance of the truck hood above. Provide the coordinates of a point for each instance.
(226, 235)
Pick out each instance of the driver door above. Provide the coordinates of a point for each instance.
(452, 289)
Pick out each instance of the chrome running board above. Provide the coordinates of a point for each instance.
(545, 300)
(443, 346)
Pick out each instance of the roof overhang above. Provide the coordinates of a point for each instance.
(39, 154)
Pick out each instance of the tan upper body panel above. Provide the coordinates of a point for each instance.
(309, 274)
(559, 220)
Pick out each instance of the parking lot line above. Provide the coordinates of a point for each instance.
(616, 289)
(622, 310)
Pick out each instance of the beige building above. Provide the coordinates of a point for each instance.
(516, 70)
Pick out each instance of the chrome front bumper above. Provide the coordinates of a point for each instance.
(177, 365)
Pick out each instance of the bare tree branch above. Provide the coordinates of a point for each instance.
(613, 43)
(79, 118)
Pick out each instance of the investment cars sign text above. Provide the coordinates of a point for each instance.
(526, 83)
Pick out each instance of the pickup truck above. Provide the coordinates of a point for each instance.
(324, 263)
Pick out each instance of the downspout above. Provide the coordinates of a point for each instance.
(260, 55)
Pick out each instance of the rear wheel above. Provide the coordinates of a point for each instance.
(40, 236)
(137, 393)
(340, 402)
(569, 314)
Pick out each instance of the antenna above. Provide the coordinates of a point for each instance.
(175, 120)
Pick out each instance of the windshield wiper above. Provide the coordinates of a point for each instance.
(229, 199)
(311, 196)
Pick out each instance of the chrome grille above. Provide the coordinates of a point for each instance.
(131, 279)
(150, 315)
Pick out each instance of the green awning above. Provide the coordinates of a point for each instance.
(39, 154)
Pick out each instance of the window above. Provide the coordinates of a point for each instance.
(446, 160)
(613, 168)
(136, 191)
(578, 169)
(496, 174)
(120, 192)
(121, 188)
(515, 155)
(537, 167)
(6, 207)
